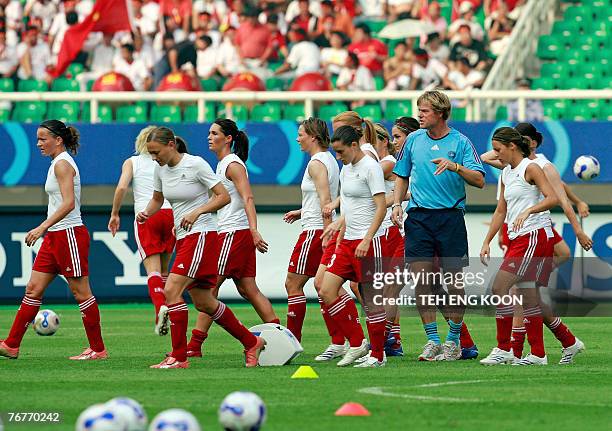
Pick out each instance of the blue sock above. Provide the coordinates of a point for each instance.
(454, 330)
(431, 329)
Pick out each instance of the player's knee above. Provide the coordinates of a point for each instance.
(318, 282)
(292, 288)
(34, 290)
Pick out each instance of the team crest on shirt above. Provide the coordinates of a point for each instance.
(451, 154)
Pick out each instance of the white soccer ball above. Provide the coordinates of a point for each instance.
(46, 322)
(242, 411)
(100, 418)
(174, 420)
(586, 167)
(131, 411)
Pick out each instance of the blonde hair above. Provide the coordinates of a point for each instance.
(439, 102)
(382, 132)
(140, 145)
(352, 118)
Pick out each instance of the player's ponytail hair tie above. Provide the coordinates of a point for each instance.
(240, 140)
(69, 134)
(508, 135)
(529, 130)
(406, 124)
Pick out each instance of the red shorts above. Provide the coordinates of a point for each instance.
(196, 257)
(505, 241)
(530, 257)
(236, 251)
(394, 242)
(306, 256)
(329, 250)
(64, 252)
(556, 239)
(344, 264)
(156, 235)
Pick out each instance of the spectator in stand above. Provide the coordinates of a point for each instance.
(371, 52)
(34, 56)
(430, 13)
(273, 9)
(8, 57)
(149, 22)
(228, 59)
(293, 10)
(133, 68)
(464, 77)
(172, 28)
(513, 6)
(232, 17)
(179, 10)
(397, 69)
(177, 55)
(217, 9)
(355, 77)
(60, 25)
(323, 39)
(436, 48)
(304, 56)
(499, 26)
(373, 9)
(427, 73)
(99, 62)
(466, 13)
(204, 25)
(277, 45)
(340, 19)
(43, 9)
(306, 20)
(206, 61)
(13, 13)
(402, 9)
(333, 59)
(252, 39)
(533, 111)
(469, 48)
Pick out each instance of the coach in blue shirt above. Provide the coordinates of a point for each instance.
(438, 160)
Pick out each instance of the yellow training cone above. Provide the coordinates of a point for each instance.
(305, 372)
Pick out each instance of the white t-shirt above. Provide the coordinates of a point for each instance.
(186, 187)
(231, 217)
(358, 184)
(55, 196)
(149, 22)
(304, 57)
(464, 81)
(102, 58)
(40, 57)
(519, 196)
(389, 187)
(431, 74)
(312, 217)
(206, 63)
(136, 71)
(227, 56)
(334, 58)
(370, 148)
(143, 169)
(356, 80)
(8, 58)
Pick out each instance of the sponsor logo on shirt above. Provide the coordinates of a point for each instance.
(435, 147)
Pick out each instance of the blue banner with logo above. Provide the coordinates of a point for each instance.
(275, 157)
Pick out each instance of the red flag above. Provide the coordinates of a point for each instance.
(107, 16)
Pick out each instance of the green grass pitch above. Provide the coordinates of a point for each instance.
(406, 395)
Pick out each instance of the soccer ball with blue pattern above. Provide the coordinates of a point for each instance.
(46, 322)
(174, 420)
(100, 418)
(131, 411)
(586, 167)
(242, 411)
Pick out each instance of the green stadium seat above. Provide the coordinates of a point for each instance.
(32, 85)
(191, 113)
(582, 15)
(90, 84)
(275, 84)
(501, 113)
(209, 84)
(566, 29)
(74, 69)
(165, 114)
(105, 113)
(7, 84)
(604, 82)
(554, 71)
(294, 112)
(550, 47)
(370, 112)
(238, 112)
(68, 112)
(131, 114)
(266, 112)
(65, 84)
(5, 115)
(606, 112)
(544, 83)
(379, 83)
(458, 114)
(273, 66)
(580, 112)
(327, 112)
(29, 112)
(334, 81)
(398, 108)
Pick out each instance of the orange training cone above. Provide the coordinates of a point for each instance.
(352, 409)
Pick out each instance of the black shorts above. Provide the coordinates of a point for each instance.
(436, 232)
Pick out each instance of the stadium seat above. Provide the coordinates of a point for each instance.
(398, 108)
(65, 84)
(566, 29)
(580, 112)
(458, 114)
(379, 83)
(266, 112)
(501, 113)
(73, 70)
(209, 84)
(131, 114)
(327, 112)
(294, 112)
(556, 71)
(370, 112)
(273, 66)
(32, 85)
(68, 112)
(29, 112)
(191, 113)
(581, 15)
(549, 47)
(5, 114)
(105, 113)
(165, 114)
(238, 112)
(544, 83)
(7, 84)
(275, 84)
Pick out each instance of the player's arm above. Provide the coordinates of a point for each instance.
(237, 174)
(318, 173)
(496, 223)
(330, 207)
(581, 206)
(491, 159)
(557, 185)
(379, 215)
(535, 175)
(154, 205)
(124, 181)
(399, 193)
(64, 173)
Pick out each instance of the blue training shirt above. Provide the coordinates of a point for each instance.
(446, 190)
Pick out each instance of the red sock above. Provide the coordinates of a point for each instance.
(517, 341)
(376, 330)
(156, 290)
(562, 332)
(179, 320)
(388, 326)
(91, 322)
(228, 321)
(352, 308)
(277, 321)
(465, 339)
(332, 329)
(395, 333)
(296, 311)
(534, 325)
(25, 314)
(503, 319)
(197, 338)
(351, 329)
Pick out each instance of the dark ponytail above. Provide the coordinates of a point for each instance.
(406, 124)
(508, 135)
(181, 145)
(347, 135)
(240, 140)
(69, 134)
